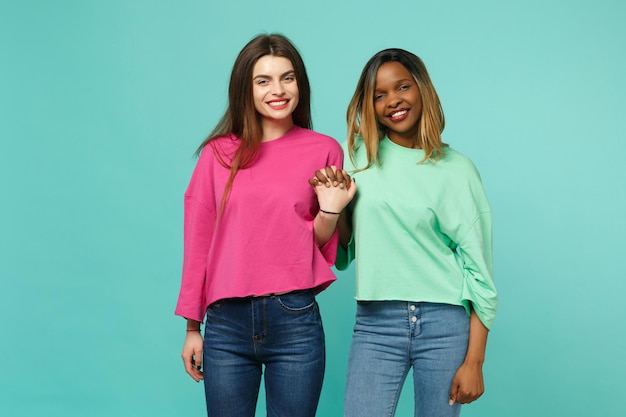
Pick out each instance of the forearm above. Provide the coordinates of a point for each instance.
(468, 384)
(332, 201)
(345, 228)
(477, 341)
(324, 226)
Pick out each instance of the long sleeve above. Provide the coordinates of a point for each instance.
(477, 263)
(422, 231)
(329, 249)
(199, 225)
(263, 241)
(346, 255)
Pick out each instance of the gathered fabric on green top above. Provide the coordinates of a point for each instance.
(420, 231)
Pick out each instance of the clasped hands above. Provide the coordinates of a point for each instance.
(334, 188)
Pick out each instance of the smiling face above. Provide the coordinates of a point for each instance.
(398, 103)
(274, 89)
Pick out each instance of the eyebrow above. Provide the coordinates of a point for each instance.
(403, 80)
(281, 75)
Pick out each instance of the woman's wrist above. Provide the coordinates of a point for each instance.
(193, 326)
(328, 217)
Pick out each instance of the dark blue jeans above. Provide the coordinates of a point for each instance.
(283, 334)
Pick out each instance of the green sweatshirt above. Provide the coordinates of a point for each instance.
(421, 232)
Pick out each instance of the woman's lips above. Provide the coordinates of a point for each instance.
(398, 115)
(278, 104)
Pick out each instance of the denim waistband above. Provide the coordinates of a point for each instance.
(258, 297)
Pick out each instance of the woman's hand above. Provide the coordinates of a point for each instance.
(192, 355)
(334, 189)
(331, 176)
(467, 384)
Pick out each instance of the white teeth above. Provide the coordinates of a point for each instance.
(398, 114)
(278, 103)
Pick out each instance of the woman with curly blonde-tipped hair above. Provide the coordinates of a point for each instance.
(419, 229)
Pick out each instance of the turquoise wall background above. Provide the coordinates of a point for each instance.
(102, 104)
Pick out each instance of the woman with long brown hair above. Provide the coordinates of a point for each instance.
(259, 243)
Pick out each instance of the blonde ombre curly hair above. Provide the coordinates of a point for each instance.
(361, 116)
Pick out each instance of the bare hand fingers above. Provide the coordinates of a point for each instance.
(196, 362)
(192, 355)
(466, 397)
(347, 179)
(193, 368)
(190, 368)
(351, 188)
(454, 392)
(314, 182)
(321, 177)
(330, 173)
(341, 179)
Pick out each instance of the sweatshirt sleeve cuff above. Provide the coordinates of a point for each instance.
(345, 255)
(482, 300)
(329, 249)
(190, 313)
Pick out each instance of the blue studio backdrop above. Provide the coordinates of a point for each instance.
(103, 103)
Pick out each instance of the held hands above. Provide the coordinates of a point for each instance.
(334, 189)
(192, 355)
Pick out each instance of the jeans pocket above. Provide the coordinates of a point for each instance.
(213, 311)
(296, 302)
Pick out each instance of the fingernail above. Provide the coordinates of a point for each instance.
(451, 402)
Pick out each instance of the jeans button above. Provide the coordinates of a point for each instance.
(413, 319)
(412, 307)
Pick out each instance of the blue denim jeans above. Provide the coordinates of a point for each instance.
(280, 335)
(390, 337)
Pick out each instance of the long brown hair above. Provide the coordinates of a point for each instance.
(241, 119)
(361, 115)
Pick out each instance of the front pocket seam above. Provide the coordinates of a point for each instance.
(294, 310)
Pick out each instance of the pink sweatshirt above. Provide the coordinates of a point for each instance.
(264, 243)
